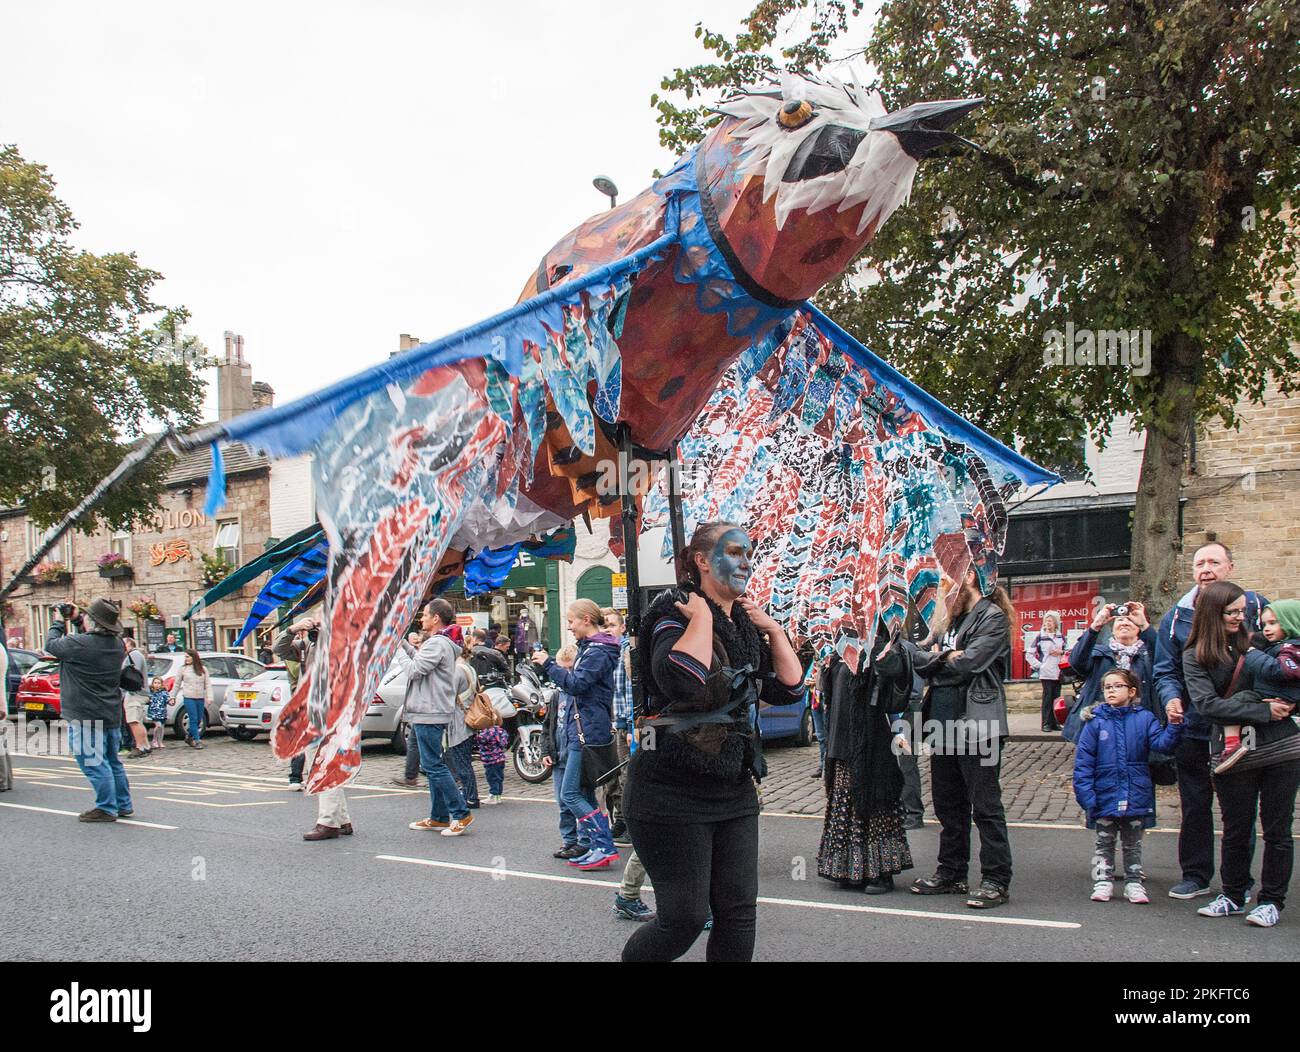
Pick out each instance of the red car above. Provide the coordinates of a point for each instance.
(38, 693)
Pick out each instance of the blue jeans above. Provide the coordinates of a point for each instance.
(568, 824)
(496, 777)
(572, 797)
(819, 725)
(97, 758)
(460, 758)
(445, 800)
(194, 709)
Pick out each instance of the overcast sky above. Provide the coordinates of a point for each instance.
(322, 177)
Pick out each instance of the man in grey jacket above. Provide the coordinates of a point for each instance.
(967, 702)
(90, 699)
(430, 708)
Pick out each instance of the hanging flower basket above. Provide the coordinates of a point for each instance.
(145, 609)
(51, 573)
(215, 569)
(114, 565)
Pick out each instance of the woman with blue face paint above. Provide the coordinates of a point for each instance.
(705, 654)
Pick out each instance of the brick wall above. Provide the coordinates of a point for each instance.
(1243, 493)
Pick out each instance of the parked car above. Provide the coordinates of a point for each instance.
(787, 721)
(246, 712)
(20, 663)
(382, 720)
(224, 670)
(38, 691)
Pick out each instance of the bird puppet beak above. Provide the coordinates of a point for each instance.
(921, 127)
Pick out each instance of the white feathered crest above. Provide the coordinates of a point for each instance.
(878, 176)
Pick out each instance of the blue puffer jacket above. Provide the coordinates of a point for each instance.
(591, 685)
(1092, 658)
(1111, 777)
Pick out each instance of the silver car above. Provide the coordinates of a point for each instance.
(251, 704)
(224, 671)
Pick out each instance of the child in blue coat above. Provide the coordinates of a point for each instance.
(1113, 783)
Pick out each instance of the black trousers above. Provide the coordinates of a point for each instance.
(695, 867)
(1270, 792)
(296, 766)
(1051, 691)
(1195, 797)
(962, 787)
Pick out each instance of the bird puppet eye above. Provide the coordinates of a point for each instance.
(795, 114)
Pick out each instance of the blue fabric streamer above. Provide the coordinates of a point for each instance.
(216, 499)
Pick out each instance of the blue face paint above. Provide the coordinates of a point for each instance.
(729, 560)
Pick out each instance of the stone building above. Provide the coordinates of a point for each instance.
(264, 502)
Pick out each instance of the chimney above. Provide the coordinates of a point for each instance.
(404, 343)
(263, 395)
(234, 380)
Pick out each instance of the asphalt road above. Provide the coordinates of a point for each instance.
(213, 868)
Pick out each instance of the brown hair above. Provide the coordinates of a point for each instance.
(1126, 675)
(443, 611)
(702, 541)
(999, 598)
(198, 662)
(1209, 639)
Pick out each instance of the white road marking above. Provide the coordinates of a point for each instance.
(965, 918)
(205, 803)
(73, 814)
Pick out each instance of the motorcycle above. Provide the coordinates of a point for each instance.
(531, 699)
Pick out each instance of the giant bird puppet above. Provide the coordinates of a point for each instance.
(681, 314)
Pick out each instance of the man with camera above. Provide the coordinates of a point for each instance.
(91, 681)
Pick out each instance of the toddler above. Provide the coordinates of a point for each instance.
(1112, 781)
(492, 743)
(159, 699)
(1272, 672)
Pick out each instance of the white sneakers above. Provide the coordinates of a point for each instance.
(1263, 916)
(1133, 891)
(492, 800)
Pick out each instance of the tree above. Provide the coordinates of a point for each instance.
(1134, 164)
(88, 360)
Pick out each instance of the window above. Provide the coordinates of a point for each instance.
(228, 637)
(227, 544)
(42, 615)
(121, 544)
(245, 668)
(1073, 540)
(37, 537)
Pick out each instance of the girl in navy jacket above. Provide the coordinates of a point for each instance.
(1113, 783)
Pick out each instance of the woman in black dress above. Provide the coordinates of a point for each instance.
(863, 844)
(689, 802)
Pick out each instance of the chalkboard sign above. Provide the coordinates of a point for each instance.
(155, 635)
(205, 633)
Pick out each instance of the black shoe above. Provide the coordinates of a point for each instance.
(989, 895)
(880, 886)
(126, 814)
(817, 773)
(572, 851)
(939, 885)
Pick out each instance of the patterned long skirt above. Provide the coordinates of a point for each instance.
(854, 851)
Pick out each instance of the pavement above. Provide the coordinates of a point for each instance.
(1037, 772)
(212, 867)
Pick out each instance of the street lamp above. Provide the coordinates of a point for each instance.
(606, 186)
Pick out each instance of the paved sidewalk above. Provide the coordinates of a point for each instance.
(1036, 776)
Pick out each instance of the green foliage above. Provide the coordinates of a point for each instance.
(87, 360)
(1136, 162)
(215, 569)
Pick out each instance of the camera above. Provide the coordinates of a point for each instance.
(313, 635)
(1121, 610)
(66, 610)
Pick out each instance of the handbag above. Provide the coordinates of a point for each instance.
(600, 763)
(482, 714)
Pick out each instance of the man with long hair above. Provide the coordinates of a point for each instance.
(965, 711)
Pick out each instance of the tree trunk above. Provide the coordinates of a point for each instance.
(1157, 540)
